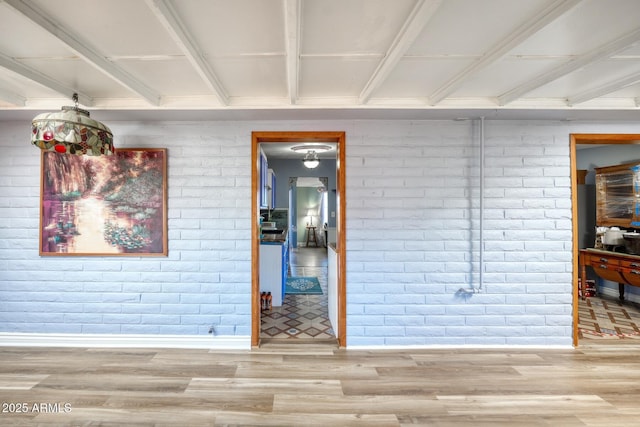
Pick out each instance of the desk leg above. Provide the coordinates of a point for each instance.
(621, 291)
(582, 284)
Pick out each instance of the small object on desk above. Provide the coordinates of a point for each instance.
(632, 242)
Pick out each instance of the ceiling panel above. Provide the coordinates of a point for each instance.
(173, 76)
(470, 27)
(334, 77)
(506, 74)
(233, 28)
(588, 25)
(257, 77)
(15, 83)
(114, 27)
(353, 26)
(416, 77)
(364, 55)
(34, 41)
(76, 73)
(587, 78)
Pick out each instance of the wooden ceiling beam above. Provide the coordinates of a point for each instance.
(13, 98)
(83, 49)
(413, 26)
(166, 13)
(292, 26)
(44, 80)
(605, 51)
(605, 89)
(540, 20)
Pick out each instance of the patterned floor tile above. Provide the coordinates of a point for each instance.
(604, 319)
(302, 316)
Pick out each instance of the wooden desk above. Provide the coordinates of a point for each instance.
(614, 266)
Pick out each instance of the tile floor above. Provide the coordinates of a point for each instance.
(607, 320)
(301, 316)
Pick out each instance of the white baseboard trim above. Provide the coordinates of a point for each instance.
(10, 339)
(461, 347)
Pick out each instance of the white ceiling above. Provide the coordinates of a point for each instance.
(296, 59)
(283, 150)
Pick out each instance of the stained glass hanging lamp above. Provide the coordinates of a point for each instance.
(72, 131)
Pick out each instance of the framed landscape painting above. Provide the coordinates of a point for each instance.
(104, 205)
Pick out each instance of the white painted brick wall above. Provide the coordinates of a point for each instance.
(424, 228)
(204, 281)
(412, 236)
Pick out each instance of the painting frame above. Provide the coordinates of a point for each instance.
(104, 205)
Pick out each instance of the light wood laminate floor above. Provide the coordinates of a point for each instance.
(319, 385)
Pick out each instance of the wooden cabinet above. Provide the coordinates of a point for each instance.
(618, 195)
(616, 267)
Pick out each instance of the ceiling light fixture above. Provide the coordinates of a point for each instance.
(72, 131)
(311, 160)
(318, 148)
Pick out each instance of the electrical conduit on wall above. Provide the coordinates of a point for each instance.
(481, 203)
(472, 289)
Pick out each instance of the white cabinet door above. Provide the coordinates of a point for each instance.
(271, 271)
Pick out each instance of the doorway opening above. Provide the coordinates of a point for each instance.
(583, 207)
(268, 138)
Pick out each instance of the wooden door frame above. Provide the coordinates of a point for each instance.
(586, 138)
(339, 138)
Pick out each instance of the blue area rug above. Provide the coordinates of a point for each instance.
(303, 286)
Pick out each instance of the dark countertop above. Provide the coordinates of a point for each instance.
(275, 239)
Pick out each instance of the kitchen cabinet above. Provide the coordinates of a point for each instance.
(263, 196)
(274, 268)
(618, 195)
(271, 188)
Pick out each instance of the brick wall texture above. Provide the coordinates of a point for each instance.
(413, 235)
